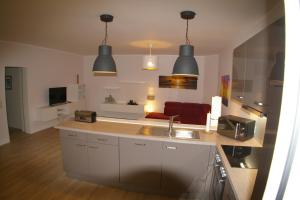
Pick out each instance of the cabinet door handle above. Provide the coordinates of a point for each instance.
(171, 148)
(81, 145)
(140, 144)
(221, 181)
(236, 130)
(101, 139)
(93, 147)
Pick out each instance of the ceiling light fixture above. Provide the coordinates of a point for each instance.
(104, 62)
(186, 64)
(150, 61)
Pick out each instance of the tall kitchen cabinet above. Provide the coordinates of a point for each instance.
(258, 68)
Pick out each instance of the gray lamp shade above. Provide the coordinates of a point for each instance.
(104, 62)
(186, 64)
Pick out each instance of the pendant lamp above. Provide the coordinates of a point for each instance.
(150, 61)
(104, 62)
(185, 64)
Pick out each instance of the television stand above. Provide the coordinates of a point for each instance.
(54, 112)
(58, 104)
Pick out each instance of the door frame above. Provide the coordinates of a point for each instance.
(24, 100)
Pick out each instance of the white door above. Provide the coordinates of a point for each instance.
(4, 136)
(14, 97)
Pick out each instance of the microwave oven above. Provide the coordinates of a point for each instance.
(236, 127)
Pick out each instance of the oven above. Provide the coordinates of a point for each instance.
(219, 177)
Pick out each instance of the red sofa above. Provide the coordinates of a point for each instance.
(189, 113)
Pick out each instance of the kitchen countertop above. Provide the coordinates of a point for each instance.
(242, 180)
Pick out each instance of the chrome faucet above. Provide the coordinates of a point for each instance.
(171, 120)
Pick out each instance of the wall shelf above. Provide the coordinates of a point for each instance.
(111, 88)
(120, 110)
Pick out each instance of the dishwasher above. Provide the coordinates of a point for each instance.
(219, 178)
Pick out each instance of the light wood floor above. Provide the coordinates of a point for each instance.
(31, 168)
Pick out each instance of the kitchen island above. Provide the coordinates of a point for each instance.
(111, 152)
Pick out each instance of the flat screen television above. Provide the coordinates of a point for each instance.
(57, 95)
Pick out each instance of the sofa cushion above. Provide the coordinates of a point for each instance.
(194, 113)
(191, 113)
(172, 108)
(156, 115)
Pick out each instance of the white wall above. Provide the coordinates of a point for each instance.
(134, 82)
(211, 78)
(44, 68)
(14, 98)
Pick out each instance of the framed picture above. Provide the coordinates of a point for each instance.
(8, 82)
(224, 90)
(178, 82)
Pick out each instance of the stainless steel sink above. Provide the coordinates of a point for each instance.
(163, 132)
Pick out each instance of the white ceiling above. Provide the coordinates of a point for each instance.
(74, 25)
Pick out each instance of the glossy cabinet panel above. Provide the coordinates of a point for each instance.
(238, 73)
(259, 62)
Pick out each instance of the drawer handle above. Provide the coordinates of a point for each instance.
(72, 135)
(171, 148)
(140, 144)
(101, 139)
(81, 145)
(93, 147)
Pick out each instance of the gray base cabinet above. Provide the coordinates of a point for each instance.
(185, 168)
(103, 163)
(140, 163)
(144, 165)
(228, 193)
(74, 153)
(90, 156)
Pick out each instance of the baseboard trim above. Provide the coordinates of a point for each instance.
(4, 141)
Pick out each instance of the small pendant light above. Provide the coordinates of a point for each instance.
(150, 61)
(186, 64)
(104, 62)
